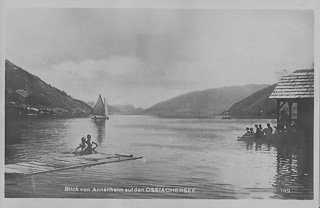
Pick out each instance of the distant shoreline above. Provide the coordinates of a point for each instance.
(84, 115)
(216, 116)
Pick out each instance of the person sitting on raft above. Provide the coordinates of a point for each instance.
(90, 144)
(83, 145)
(268, 131)
(247, 133)
(251, 131)
(258, 133)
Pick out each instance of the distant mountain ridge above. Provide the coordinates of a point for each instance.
(203, 103)
(125, 108)
(26, 89)
(257, 104)
(129, 109)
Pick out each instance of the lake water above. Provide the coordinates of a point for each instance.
(201, 155)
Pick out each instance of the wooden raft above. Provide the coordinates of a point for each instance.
(64, 163)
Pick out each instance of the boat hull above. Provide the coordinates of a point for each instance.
(100, 119)
(273, 138)
(255, 138)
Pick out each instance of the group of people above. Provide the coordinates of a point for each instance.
(86, 146)
(259, 131)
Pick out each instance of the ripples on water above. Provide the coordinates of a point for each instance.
(187, 153)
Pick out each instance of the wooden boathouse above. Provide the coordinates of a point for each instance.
(295, 102)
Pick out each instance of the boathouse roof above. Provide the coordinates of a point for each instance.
(299, 84)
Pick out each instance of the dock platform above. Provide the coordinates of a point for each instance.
(64, 163)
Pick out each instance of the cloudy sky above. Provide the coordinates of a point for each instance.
(143, 56)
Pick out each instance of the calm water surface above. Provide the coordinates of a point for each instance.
(203, 154)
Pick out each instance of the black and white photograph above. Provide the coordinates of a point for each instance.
(173, 103)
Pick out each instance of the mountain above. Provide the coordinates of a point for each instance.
(113, 110)
(129, 109)
(203, 103)
(91, 103)
(26, 91)
(256, 104)
(125, 108)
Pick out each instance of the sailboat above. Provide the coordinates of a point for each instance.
(100, 111)
(226, 116)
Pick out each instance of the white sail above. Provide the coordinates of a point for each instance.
(99, 108)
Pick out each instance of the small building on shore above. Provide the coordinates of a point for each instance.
(295, 101)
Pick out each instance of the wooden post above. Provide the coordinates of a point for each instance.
(290, 109)
(280, 104)
(278, 109)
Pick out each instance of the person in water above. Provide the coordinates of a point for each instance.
(90, 144)
(83, 145)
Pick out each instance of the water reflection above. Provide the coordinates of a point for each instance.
(101, 131)
(294, 167)
(249, 145)
(294, 177)
(258, 146)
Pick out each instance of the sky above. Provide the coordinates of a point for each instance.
(144, 56)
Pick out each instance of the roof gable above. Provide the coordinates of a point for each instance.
(299, 84)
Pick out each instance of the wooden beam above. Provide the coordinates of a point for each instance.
(37, 167)
(282, 104)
